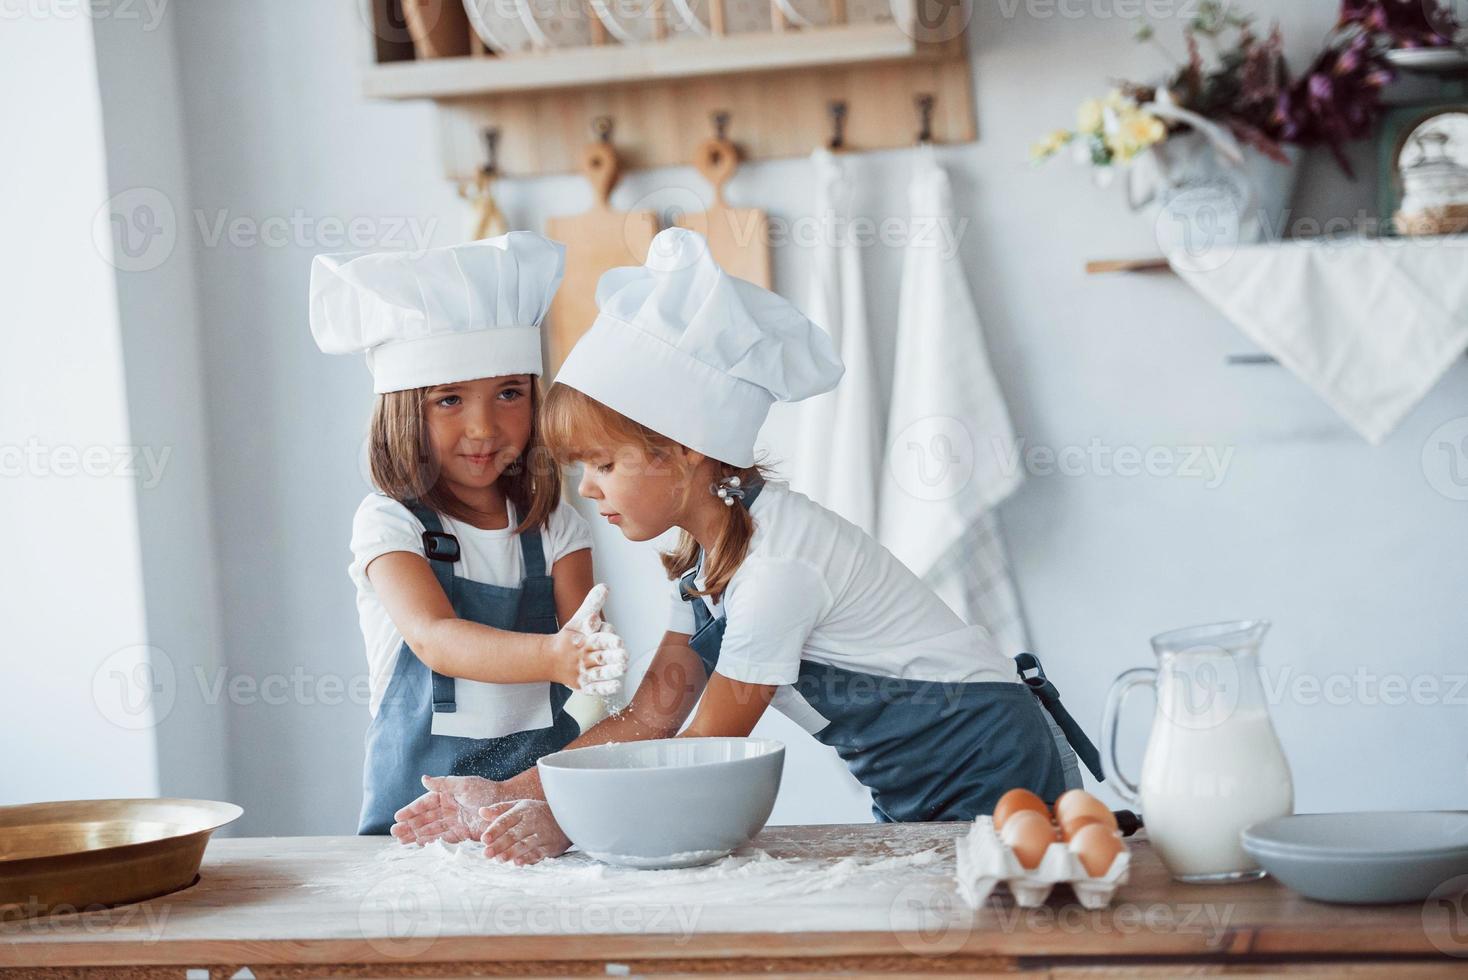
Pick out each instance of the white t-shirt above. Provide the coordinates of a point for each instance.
(816, 587)
(492, 557)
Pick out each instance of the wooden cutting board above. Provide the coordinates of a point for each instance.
(738, 237)
(596, 240)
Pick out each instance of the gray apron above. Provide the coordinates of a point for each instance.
(401, 746)
(931, 750)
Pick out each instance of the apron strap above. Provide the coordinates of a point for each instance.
(1042, 688)
(444, 700)
(532, 554)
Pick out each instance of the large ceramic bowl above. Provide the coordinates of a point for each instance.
(667, 803)
(1384, 856)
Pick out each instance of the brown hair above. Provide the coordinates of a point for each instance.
(571, 422)
(404, 468)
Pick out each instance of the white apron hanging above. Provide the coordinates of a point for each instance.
(839, 445)
(950, 447)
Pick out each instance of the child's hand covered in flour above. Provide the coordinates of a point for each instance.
(449, 811)
(522, 832)
(592, 656)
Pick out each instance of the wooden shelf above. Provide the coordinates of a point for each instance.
(569, 68)
(774, 88)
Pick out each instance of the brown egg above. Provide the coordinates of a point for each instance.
(1076, 823)
(1096, 846)
(1016, 801)
(1076, 803)
(1028, 834)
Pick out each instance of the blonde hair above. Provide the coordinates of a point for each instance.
(571, 422)
(404, 467)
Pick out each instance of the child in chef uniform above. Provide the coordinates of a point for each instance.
(777, 600)
(469, 573)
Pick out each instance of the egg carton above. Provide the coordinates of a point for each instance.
(984, 860)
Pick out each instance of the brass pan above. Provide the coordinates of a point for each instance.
(86, 854)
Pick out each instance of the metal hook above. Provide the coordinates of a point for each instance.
(601, 128)
(837, 111)
(491, 135)
(720, 119)
(924, 103)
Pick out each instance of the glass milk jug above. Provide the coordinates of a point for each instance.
(1213, 764)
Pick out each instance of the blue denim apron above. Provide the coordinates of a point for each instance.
(931, 750)
(401, 746)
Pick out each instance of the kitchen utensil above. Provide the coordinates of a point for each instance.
(665, 803)
(739, 238)
(499, 25)
(439, 28)
(83, 854)
(1213, 765)
(1391, 856)
(596, 240)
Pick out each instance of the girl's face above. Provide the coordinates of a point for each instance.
(478, 428)
(641, 493)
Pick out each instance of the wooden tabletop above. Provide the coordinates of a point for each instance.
(866, 898)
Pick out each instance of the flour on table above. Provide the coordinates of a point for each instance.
(749, 874)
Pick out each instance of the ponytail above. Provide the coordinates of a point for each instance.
(731, 546)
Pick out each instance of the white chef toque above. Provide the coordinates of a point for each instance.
(439, 315)
(695, 354)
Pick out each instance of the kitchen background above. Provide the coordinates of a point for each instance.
(216, 545)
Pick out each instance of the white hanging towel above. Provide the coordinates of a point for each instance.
(1370, 325)
(950, 447)
(839, 446)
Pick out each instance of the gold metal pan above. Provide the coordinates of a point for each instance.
(85, 854)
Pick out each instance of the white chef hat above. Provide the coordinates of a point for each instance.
(439, 315)
(695, 354)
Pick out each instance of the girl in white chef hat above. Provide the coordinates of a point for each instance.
(777, 601)
(474, 587)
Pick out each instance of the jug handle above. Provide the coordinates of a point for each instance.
(1124, 787)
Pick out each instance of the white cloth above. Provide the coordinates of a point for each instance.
(839, 448)
(438, 315)
(816, 587)
(493, 557)
(694, 353)
(949, 430)
(1370, 325)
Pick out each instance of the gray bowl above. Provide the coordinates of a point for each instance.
(666, 803)
(1363, 858)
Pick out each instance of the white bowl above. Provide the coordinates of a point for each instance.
(1372, 857)
(666, 803)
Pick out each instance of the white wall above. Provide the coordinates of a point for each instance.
(160, 330)
(71, 593)
(1347, 548)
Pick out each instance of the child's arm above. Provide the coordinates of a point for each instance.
(729, 708)
(457, 647)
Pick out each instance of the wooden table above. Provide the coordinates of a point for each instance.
(343, 906)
